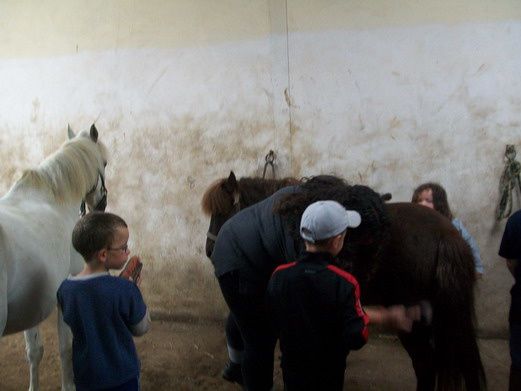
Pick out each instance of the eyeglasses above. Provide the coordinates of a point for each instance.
(123, 248)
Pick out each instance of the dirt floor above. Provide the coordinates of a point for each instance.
(188, 353)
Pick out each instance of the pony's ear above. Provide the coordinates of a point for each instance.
(94, 133)
(231, 183)
(70, 132)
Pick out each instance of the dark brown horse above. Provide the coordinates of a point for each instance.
(227, 196)
(415, 254)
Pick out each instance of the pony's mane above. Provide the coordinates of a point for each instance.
(216, 200)
(68, 173)
(253, 190)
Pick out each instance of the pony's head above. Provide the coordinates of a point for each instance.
(220, 201)
(73, 174)
(96, 196)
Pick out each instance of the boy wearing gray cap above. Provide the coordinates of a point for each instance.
(316, 307)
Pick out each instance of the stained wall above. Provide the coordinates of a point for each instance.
(385, 93)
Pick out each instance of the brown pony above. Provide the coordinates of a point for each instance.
(226, 196)
(401, 253)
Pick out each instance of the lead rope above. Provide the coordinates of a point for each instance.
(509, 179)
(269, 159)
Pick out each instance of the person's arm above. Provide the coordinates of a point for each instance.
(396, 317)
(510, 247)
(478, 264)
(136, 312)
(511, 265)
(142, 326)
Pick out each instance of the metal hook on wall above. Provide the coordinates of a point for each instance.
(269, 161)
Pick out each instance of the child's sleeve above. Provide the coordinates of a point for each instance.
(142, 327)
(134, 310)
(472, 244)
(355, 321)
(510, 247)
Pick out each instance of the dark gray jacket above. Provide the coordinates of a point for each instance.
(255, 241)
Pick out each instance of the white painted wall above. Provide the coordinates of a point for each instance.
(386, 93)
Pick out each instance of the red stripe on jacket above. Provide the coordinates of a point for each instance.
(358, 306)
(283, 266)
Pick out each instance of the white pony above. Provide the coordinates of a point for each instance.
(37, 217)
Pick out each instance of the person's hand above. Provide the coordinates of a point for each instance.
(401, 319)
(132, 270)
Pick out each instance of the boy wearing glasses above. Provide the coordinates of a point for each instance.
(103, 311)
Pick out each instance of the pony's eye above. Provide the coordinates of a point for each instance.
(104, 164)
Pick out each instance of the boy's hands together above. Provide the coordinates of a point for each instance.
(132, 270)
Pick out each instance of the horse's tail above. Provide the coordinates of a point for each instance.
(457, 355)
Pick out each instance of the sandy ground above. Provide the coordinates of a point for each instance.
(189, 353)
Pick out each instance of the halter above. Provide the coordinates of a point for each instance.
(211, 236)
(236, 208)
(101, 201)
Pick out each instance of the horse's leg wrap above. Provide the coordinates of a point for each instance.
(65, 340)
(34, 350)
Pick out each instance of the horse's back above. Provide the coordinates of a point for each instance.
(416, 229)
(410, 262)
(409, 219)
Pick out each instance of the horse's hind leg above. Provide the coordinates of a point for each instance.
(418, 345)
(65, 339)
(34, 350)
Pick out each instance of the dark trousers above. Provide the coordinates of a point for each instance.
(131, 385)
(246, 300)
(312, 379)
(233, 334)
(515, 354)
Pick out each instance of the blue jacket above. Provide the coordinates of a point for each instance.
(471, 242)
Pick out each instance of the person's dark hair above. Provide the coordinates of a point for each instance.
(95, 231)
(439, 198)
(364, 200)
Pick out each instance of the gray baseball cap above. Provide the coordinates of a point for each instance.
(326, 219)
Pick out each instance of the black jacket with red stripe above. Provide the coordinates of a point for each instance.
(316, 312)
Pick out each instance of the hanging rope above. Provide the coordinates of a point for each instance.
(509, 181)
(269, 159)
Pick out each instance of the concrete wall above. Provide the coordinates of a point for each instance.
(386, 93)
